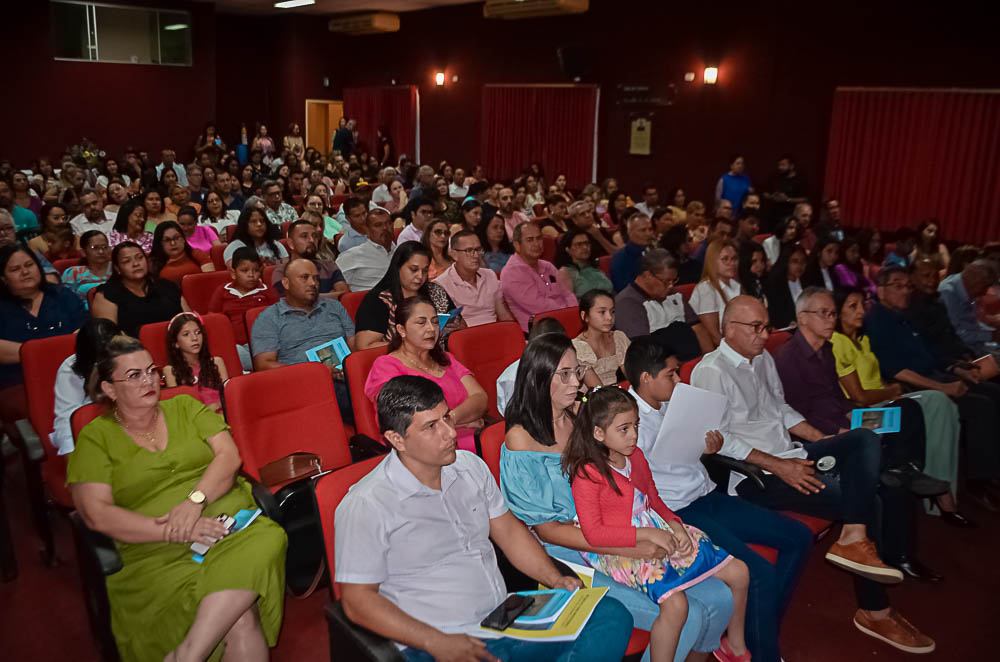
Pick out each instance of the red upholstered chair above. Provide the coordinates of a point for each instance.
(491, 440)
(40, 361)
(62, 265)
(220, 341)
(548, 248)
(759, 238)
(267, 275)
(91, 293)
(337, 200)
(686, 290)
(87, 413)
(604, 263)
(284, 228)
(217, 253)
(286, 410)
(395, 233)
(538, 210)
(776, 340)
(249, 318)
(687, 369)
(199, 288)
(568, 317)
(352, 301)
(487, 350)
(357, 366)
(230, 232)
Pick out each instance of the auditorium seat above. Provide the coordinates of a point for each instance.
(351, 301)
(337, 200)
(686, 290)
(91, 293)
(267, 275)
(548, 248)
(487, 350)
(759, 238)
(490, 441)
(291, 409)
(604, 262)
(221, 343)
(395, 233)
(568, 317)
(538, 210)
(687, 368)
(356, 367)
(199, 288)
(284, 228)
(217, 253)
(249, 318)
(230, 232)
(62, 265)
(776, 340)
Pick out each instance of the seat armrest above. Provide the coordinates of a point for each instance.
(32, 444)
(719, 466)
(100, 550)
(364, 447)
(265, 499)
(349, 641)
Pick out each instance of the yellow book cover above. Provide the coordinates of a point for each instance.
(569, 624)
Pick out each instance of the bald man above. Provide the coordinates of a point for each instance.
(299, 322)
(755, 429)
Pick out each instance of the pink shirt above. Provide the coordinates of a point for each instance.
(531, 291)
(386, 367)
(479, 301)
(515, 220)
(202, 238)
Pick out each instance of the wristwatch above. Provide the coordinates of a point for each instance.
(196, 497)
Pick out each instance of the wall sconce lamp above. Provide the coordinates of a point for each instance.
(439, 78)
(711, 75)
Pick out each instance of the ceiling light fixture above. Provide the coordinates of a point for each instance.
(711, 75)
(176, 26)
(439, 78)
(288, 4)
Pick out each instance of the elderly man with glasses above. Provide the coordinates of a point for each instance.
(757, 428)
(474, 288)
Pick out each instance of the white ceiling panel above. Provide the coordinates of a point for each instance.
(332, 6)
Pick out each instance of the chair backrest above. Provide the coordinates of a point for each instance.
(268, 274)
(604, 262)
(230, 232)
(87, 413)
(40, 361)
(91, 293)
(330, 491)
(687, 368)
(538, 210)
(351, 301)
(249, 317)
(221, 342)
(491, 440)
(337, 200)
(568, 317)
(396, 232)
(217, 253)
(62, 265)
(199, 288)
(357, 366)
(776, 340)
(548, 248)
(759, 238)
(686, 289)
(291, 409)
(487, 350)
(284, 228)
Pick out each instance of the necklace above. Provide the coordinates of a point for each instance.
(148, 437)
(414, 363)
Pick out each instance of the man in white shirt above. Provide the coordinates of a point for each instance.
(93, 216)
(458, 188)
(418, 214)
(381, 193)
(756, 428)
(507, 378)
(365, 264)
(650, 200)
(169, 157)
(731, 522)
(474, 288)
(413, 553)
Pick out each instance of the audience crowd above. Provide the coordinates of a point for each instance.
(790, 316)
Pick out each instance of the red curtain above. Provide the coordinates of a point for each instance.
(553, 125)
(394, 108)
(900, 156)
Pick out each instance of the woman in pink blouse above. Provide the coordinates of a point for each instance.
(414, 350)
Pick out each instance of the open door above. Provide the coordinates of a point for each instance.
(322, 118)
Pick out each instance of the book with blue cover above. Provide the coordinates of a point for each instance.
(882, 420)
(330, 353)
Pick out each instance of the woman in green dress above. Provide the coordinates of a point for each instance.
(577, 269)
(154, 476)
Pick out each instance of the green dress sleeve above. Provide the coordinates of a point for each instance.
(89, 462)
(206, 422)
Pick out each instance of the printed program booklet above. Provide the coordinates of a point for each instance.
(330, 353)
(883, 420)
(556, 618)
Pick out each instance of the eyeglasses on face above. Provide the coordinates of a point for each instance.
(825, 313)
(471, 252)
(137, 378)
(759, 328)
(566, 374)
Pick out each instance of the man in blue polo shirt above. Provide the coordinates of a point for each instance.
(625, 263)
(302, 320)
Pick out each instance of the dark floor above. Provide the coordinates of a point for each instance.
(42, 616)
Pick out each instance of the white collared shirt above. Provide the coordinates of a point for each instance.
(70, 396)
(706, 299)
(758, 416)
(505, 386)
(80, 224)
(428, 550)
(364, 265)
(679, 485)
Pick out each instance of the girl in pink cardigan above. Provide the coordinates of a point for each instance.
(617, 505)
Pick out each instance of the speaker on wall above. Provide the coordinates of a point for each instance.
(576, 60)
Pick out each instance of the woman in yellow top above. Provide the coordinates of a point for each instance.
(861, 380)
(154, 476)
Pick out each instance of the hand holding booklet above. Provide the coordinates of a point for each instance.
(692, 413)
(554, 614)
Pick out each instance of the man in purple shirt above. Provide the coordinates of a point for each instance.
(530, 284)
(808, 373)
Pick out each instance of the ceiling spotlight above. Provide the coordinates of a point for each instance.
(711, 75)
(439, 78)
(288, 4)
(688, 77)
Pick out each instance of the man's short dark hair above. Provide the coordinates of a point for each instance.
(555, 199)
(544, 325)
(352, 202)
(401, 398)
(461, 234)
(645, 355)
(647, 186)
(518, 231)
(244, 254)
(478, 188)
(298, 223)
(721, 219)
(268, 183)
(884, 274)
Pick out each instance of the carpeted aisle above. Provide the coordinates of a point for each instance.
(42, 615)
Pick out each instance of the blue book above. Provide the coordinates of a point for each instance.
(330, 353)
(883, 420)
(444, 319)
(239, 521)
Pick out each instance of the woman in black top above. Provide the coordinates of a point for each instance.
(784, 285)
(819, 268)
(132, 297)
(753, 270)
(406, 277)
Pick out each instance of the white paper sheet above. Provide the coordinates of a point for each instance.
(692, 413)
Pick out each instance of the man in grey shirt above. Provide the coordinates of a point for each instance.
(959, 293)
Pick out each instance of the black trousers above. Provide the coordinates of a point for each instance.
(979, 412)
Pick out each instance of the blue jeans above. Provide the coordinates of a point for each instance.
(731, 523)
(604, 638)
(710, 606)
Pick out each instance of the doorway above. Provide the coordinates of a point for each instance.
(322, 117)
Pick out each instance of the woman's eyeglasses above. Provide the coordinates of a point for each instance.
(566, 373)
(136, 378)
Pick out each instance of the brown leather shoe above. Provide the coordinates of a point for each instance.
(861, 558)
(895, 631)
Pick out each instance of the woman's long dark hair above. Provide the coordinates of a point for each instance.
(505, 245)
(390, 281)
(116, 275)
(752, 284)
(922, 245)
(271, 233)
(207, 215)
(208, 372)
(844, 246)
(598, 409)
(840, 295)
(157, 256)
(404, 311)
(779, 273)
(91, 341)
(8, 252)
(531, 406)
(865, 241)
(813, 274)
(562, 257)
(125, 210)
(616, 219)
(85, 243)
(425, 239)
